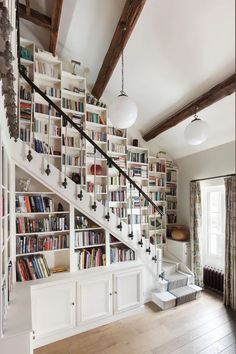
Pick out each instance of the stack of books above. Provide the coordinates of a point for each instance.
(32, 267)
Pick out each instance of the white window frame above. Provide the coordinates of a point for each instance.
(209, 259)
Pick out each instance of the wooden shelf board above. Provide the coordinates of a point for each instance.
(39, 252)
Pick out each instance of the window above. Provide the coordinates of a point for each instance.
(213, 225)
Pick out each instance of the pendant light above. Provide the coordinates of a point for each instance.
(196, 132)
(123, 110)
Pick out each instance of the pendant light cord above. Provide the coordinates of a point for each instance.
(122, 92)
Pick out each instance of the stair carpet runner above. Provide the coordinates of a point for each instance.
(178, 290)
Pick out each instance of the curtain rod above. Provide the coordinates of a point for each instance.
(204, 179)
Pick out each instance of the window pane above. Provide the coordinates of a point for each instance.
(213, 244)
(215, 223)
(215, 201)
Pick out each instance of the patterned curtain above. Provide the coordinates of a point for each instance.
(195, 226)
(230, 243)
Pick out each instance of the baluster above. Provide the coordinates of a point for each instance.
(80, 194)
(120, 224)
(140, 242)
(148, 248)
(131, 234)
(154, 258)
(107, 216)
(64, 183)
(94, 206)
(48, 171)
(29, 155)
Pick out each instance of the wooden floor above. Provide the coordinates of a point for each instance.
(202, 326)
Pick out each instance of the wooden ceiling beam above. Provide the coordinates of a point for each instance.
(56, 16)
(216, 93)
(129, 17)
(35, 17)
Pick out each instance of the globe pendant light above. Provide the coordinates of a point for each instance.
(123, 111)
(196, 132)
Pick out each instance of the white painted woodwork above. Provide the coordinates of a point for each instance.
(181, 250)
(127, 290)
(53, 309)
(94, 298)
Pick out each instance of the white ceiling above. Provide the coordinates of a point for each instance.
(178, 50)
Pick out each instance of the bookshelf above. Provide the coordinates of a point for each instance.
(6, 257)
(171, 193)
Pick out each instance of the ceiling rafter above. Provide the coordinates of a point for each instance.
(35, 17)
(56, 16)
(128, 18)
(216, 93)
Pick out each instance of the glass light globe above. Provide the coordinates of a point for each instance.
(196, 132)
(123, 112)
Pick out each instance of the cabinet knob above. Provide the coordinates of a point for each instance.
(115, 292)
(110, 294)
(73, 304)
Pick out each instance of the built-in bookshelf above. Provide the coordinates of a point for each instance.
(6, 258)
(171, 193)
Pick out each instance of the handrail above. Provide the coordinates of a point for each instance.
(110, 162)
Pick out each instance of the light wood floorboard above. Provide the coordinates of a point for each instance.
(203, 326)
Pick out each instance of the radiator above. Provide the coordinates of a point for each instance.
(213, 279)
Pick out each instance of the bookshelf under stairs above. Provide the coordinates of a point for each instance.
(175, 288)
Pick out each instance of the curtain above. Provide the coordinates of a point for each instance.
(230, 243)
(195, 228)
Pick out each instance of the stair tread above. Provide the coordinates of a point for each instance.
(175, 276)
(164, 296)
(182, 291)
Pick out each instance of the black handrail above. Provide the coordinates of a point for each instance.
(22, 71)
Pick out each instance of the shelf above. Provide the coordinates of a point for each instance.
(97, 176)
(113, 153)
(26, 61)
(46, 233)
(67, 110)
(90, 246)
(155, 173)
(41, 56)
(52, 156)
(68, 75)
(97, 142)
(73, 148)
(131, 147)
(75, 167)
(38, 97)
(42, 213)
(39, 252)
(116, 243)
(72, 93)
(115, 137)
(170, 196)
(38, 193)
(25, 101)
(93, 107)
(46, 136)
(98, 125)
(90, 229)
(137, 163)
(39, 115)
(46, 78)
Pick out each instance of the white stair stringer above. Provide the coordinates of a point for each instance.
(37, 166)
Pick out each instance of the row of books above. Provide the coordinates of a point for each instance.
(119, 148)
(31, 244)
(171, 218)
(81, 222)
(71, 141)
(42, 147)
(117, 181)
(47, 69)
(42, 128)
(73, 160)
(30, 225)
(96, 135)
(116, 132)
(89, 258)
(72, 104)
(120, 212)
(77, 119)
(26, 53)
(32, 267)
(117, 196)
(87, 238)
(93, 100)
(25, 94)
(156, 181)
(171, 176)
(25, 111)
(157, 167)
(121, 255)
(135, 219)
(157, 196)
(25, 134)
(100, 188)
(52, 91)
(171, 204)
(138, 172)
(33, 204)
(120, 161)
(95, 118)
(141, 157)
(171, 189)
(44, 109)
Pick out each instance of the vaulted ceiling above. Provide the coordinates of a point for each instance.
(178, 50)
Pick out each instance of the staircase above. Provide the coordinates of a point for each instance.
(175, 288)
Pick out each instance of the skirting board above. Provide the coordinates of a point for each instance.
(83, 328)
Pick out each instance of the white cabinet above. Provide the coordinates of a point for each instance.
(127, 290)
(181, 250)
(94, 298)
(53, 309)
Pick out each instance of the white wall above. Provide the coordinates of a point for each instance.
(213, 162)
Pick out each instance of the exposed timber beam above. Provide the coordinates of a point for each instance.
(56, 16)
(129, 17)
(34, 16)
(216, 93)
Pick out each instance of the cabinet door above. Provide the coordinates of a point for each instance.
(53, 309)
(127, 290)
(94, 298)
